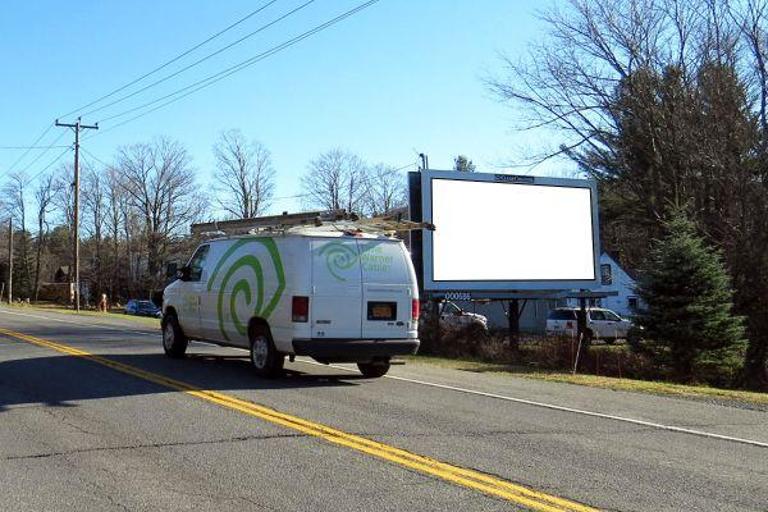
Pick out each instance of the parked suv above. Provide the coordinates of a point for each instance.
(602, 324)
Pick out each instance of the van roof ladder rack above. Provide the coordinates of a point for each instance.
(338, 219)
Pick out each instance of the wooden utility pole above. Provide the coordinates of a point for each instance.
(10, 260)
(77, 126)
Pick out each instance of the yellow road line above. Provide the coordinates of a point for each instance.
(469, 478)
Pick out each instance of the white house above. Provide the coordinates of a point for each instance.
(533, 319)
(613, 278)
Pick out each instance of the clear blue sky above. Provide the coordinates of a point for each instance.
(401, 77)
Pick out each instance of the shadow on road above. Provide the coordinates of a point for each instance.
(58, 380)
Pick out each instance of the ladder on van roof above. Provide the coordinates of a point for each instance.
(339, 220)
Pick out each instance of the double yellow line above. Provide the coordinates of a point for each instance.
(482, 482)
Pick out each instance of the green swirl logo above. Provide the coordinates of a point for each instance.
(241, 273)
(339, 257)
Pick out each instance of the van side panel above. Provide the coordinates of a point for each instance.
(295, 254)
(246, 278)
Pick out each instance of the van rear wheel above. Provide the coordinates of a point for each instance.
(265, 359)
(374, 369)
(174, 341)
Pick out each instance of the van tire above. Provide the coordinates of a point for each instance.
(265, 359)
(175, 343)
(374, 369)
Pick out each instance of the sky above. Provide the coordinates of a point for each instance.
(399, 78)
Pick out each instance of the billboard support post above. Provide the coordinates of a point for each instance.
(513, 319)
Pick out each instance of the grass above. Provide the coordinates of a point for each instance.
(596, 381)
(114, 314)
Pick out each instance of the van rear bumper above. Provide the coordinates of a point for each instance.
(353, 350)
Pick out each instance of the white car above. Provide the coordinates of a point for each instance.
(453, 316)
(333, 296)
(602, 324)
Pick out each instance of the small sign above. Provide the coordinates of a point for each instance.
(514, 178)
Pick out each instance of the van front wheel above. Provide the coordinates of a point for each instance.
(174, 342)
(265, 359)
(374, 369)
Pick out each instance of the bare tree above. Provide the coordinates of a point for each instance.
(160, 184)
(244, 175)
(335, 180)
(385, 190)
(94, 215)
(44, 195)
(15, 204)
(64, 197)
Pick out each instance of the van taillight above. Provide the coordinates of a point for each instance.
(300, 309)
(415, 309)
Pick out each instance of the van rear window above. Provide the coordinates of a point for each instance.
(562, 314)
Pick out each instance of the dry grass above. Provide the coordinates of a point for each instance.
(616, 384)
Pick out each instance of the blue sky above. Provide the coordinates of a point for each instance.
(399, 78)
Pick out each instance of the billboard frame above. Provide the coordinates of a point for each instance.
(475, 288)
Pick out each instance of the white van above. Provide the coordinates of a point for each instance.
(333, 296)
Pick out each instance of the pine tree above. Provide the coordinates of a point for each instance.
(688, 317)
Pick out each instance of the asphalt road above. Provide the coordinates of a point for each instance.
(112, 432)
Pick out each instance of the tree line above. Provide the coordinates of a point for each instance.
(135, 211)
(665, 104)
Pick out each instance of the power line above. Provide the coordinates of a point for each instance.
(412, 164)
(21, 157)
(31, 147)
(216, 77)
(102, 162)
(40, 173)
(41, 154)
(168, 63)
(199, 61)
(133, 82)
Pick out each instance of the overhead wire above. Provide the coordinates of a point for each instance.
(30, 147)
(21, 157)
(216, 77)
(40, 173)
(171, 61)
(200, 61)
(133, 82)
(41, 154)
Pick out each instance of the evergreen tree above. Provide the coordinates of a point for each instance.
(688, 319)
(462, 163)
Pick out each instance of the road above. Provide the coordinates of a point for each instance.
(94, 417)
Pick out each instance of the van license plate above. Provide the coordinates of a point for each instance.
(382, 310)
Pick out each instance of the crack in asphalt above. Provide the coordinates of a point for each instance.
(237, 439)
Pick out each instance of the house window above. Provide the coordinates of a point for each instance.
(632, 303)
(606, 274)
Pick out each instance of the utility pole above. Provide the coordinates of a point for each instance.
(10, 261)
(424, 161)
(77, 126)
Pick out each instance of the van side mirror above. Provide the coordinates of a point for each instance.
(183, 273)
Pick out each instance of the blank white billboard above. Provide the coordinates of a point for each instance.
(510, 232)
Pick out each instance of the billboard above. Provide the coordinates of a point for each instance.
(498, 232)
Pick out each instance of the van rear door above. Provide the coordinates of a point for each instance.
(387, 289)
(335, 305)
